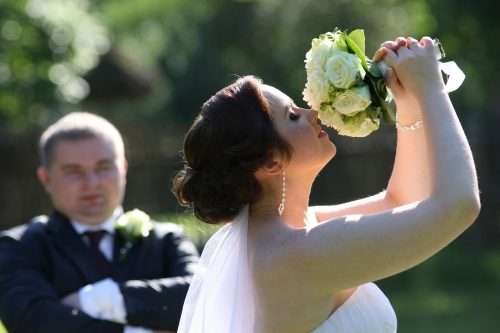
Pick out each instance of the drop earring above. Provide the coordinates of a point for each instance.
(281, 208)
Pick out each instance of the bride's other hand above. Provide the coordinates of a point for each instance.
(400, 95)
(391, 45)
(408, 111)
(417, 67)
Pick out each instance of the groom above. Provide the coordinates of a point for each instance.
(73, 271)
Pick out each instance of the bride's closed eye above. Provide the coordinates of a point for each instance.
(294, 116)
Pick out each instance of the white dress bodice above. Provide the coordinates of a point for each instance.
(222, 281)
(367, 311)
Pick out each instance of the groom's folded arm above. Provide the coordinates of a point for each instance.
(157, 303)
(29, 302)
(103, 300)
(154, 303)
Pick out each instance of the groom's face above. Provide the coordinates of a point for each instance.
(86, 180)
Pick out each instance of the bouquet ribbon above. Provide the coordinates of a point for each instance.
(455, 75)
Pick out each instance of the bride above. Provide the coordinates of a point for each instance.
(281, 266)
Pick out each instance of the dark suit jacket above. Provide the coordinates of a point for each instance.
(45, 260)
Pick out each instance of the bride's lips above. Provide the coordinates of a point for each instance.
(321, 132)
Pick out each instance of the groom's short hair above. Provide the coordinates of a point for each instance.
(77, 126)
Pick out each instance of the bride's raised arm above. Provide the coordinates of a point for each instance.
(410, 180)
(434, 204)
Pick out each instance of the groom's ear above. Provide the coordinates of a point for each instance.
(125, 165)
(44, 177)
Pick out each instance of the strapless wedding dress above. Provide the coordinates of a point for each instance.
(220, 298)
(367, 311)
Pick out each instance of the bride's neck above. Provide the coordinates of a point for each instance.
(296, 203)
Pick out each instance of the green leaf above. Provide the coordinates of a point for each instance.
(374, 97)
(382, 89)
(388, 113)
(358, 37)
(381, 97)
(356, 50)
(377, 84)
(372, 111)
(373, 68)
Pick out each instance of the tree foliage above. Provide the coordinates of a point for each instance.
(191, 48)
(201, 46)
(47, 47)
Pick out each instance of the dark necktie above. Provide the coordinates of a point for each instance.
(94, 239)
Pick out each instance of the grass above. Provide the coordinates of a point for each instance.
(199, 232)
(457, 290)
(459, 311)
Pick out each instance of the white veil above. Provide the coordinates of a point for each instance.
(219, 299)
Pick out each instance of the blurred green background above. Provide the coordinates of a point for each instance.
(149, 65)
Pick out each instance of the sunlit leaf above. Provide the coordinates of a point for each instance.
(358, 37)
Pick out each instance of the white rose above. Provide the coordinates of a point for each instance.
(330, 117)
(359, 125)
(342, 69)
(318, 54)
(308, 95)
(352, 100)
(320, 51)
(317, 89)
(369, 125)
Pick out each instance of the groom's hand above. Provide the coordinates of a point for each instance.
(72, 300)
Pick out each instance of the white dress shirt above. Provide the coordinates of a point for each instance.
(103, 299)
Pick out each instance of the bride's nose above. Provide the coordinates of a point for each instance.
(312, 116)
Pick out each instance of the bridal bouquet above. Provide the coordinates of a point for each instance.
(345, 86)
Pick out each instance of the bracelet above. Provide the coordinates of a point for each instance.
(418, 124)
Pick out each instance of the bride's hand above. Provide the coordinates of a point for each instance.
(397, 91)
(417, 68)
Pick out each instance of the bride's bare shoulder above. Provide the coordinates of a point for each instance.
(271, 243)
(281, 288)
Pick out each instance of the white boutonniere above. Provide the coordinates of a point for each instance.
(133, 225)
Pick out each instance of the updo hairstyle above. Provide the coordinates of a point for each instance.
(232, 138)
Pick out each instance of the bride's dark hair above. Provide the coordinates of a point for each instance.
(232, 138)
